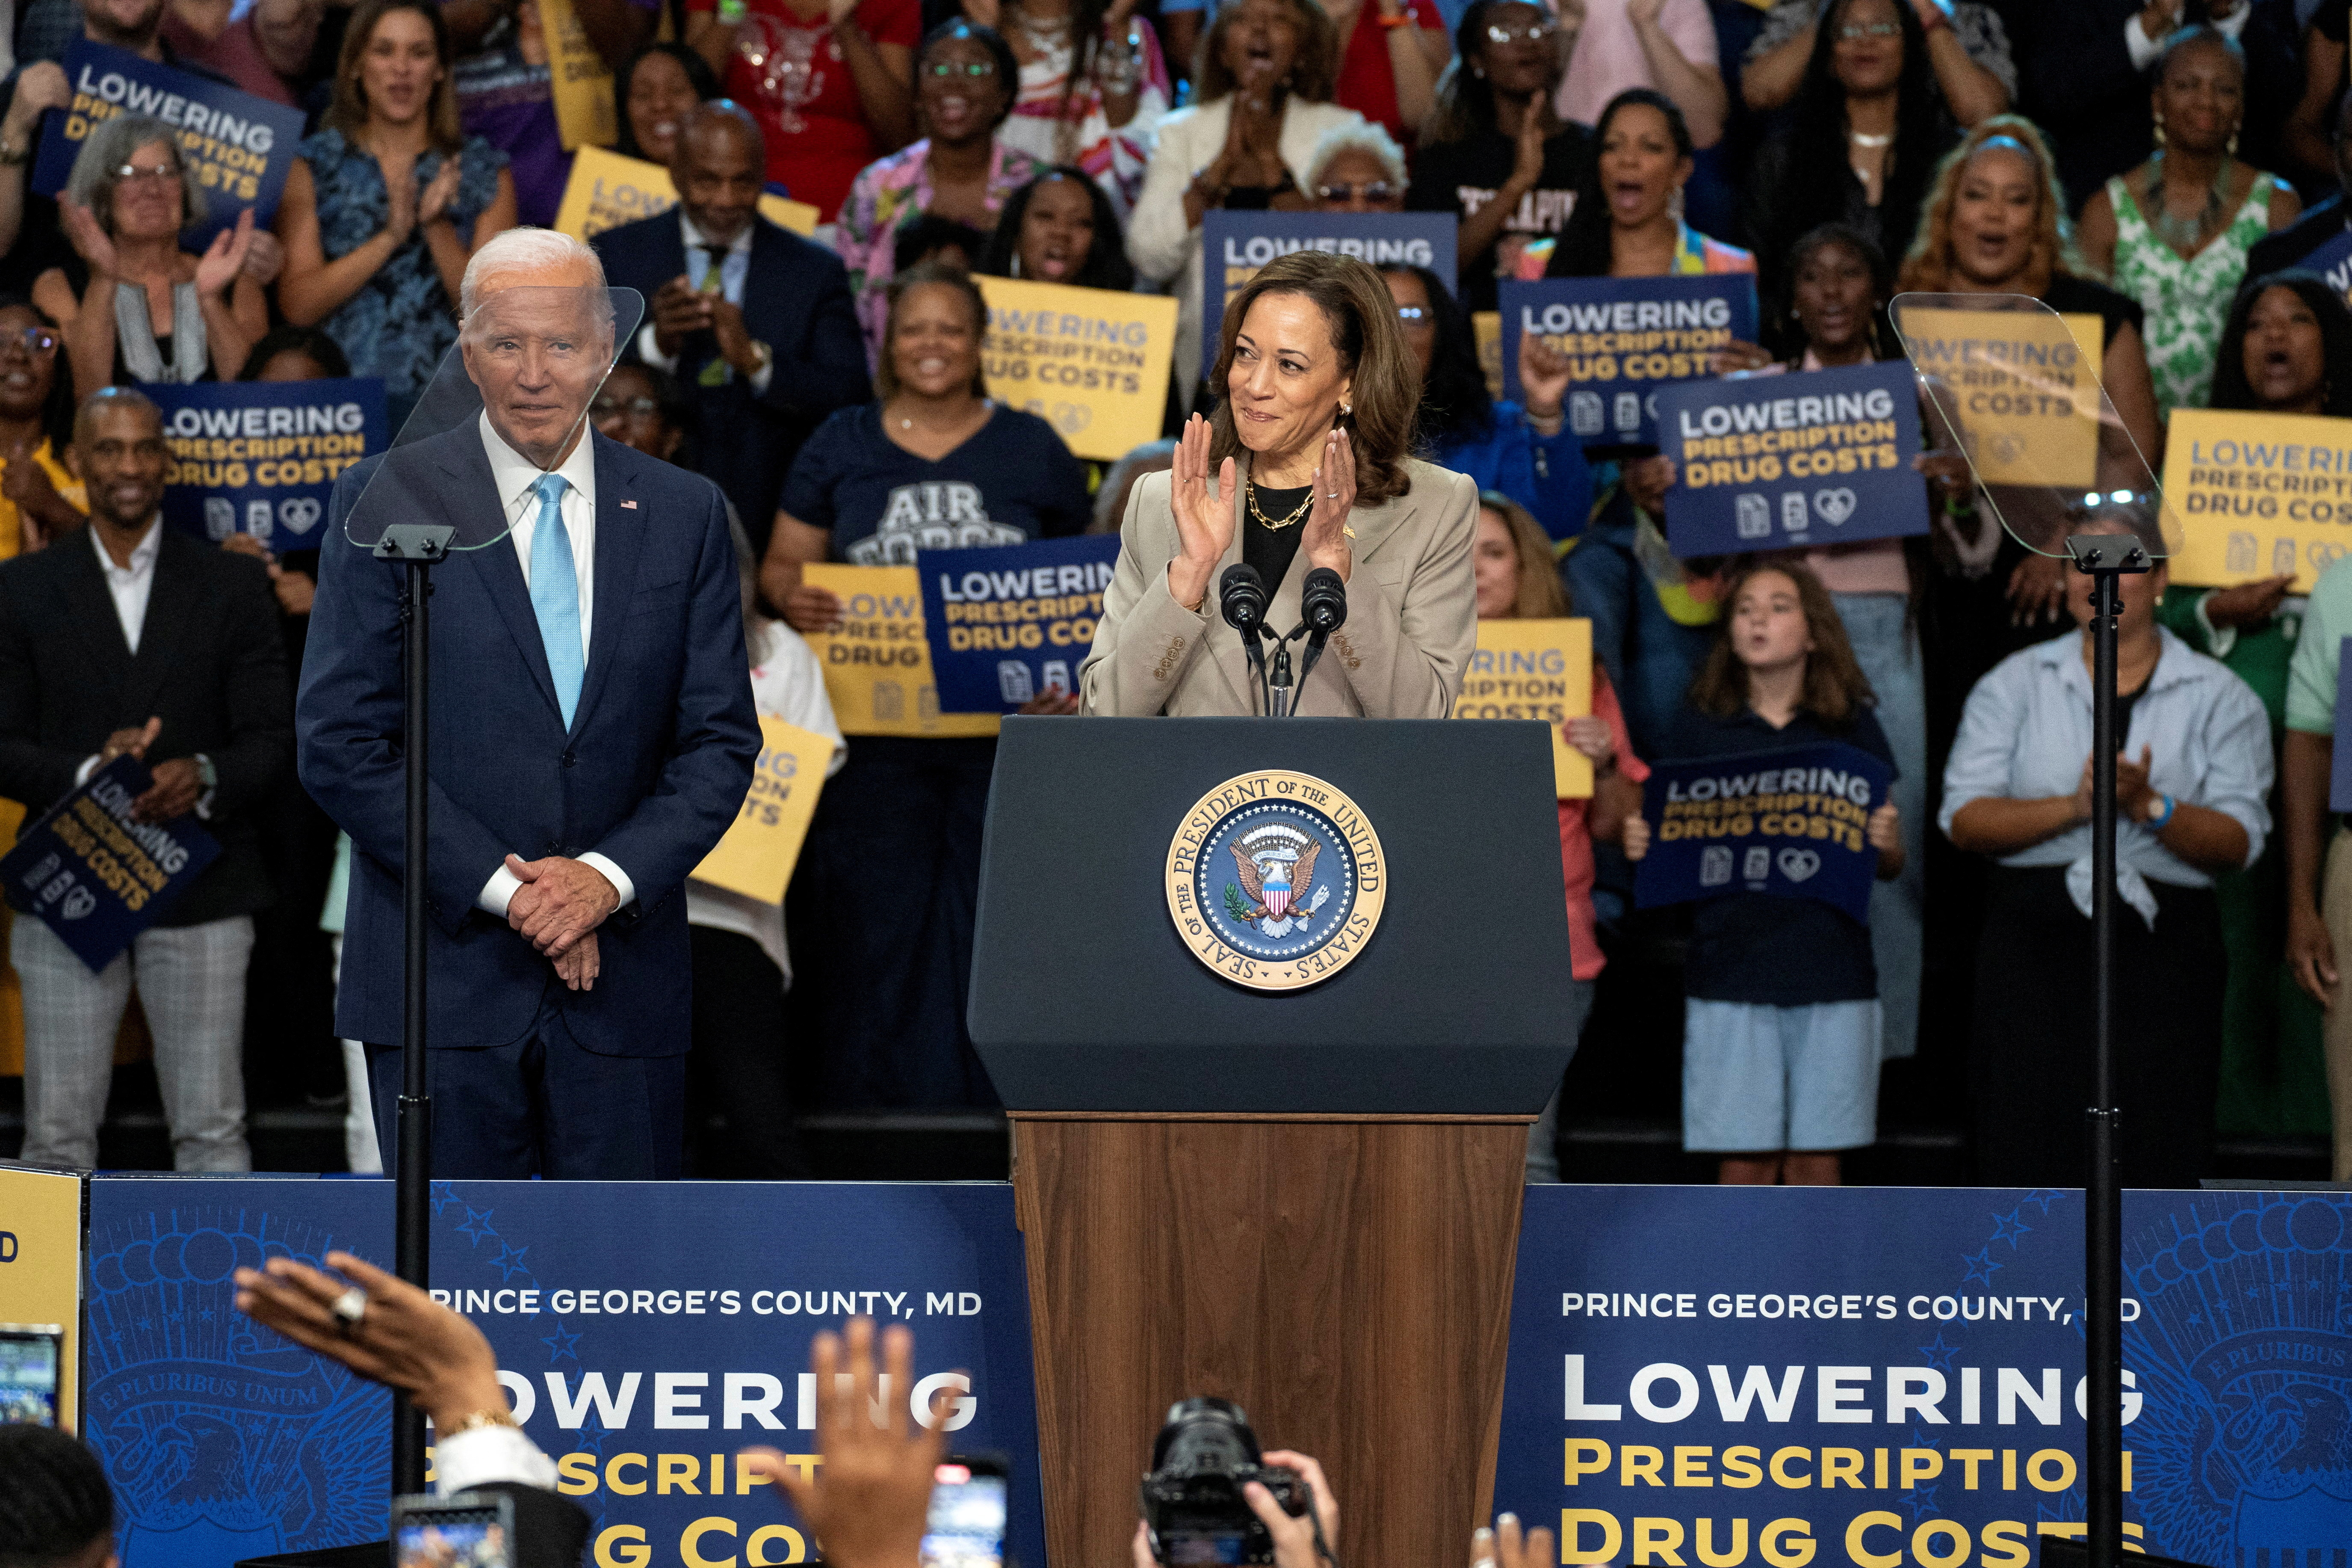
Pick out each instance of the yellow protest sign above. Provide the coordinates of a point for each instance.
(1535, 670)
(582, 80)
(1092, 362)
(606, 190)
(2257, 495)
(878, 664)
(1486, 326)
(2021, 387)
(40, 1286)
(757, 855)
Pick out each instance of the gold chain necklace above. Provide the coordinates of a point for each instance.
(1306, 503)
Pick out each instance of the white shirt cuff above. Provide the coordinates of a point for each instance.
(612, 874)
(767, 374)
(498, 892)
(651, 353)
(89, 766)
(487, 1455)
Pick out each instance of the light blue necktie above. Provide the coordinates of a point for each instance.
(555, 595)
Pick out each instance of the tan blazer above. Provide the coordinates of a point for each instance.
(1413, 615)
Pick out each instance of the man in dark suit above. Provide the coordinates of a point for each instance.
(137, 641)
(591, 709)
(756, 322)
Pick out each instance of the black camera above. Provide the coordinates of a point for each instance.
(1193, 1502)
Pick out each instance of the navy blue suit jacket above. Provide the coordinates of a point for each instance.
(796, 300)
(652, 772)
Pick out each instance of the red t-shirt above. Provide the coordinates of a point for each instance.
(1576, 837)
(803, 96)
(1367, 80)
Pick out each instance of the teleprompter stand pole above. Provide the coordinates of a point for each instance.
(416, 547)
(2103, 558)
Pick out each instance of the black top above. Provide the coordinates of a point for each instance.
(1270, 550)
(1763, 947)
(1460, 177)
(1011, 481)
(2072, 296)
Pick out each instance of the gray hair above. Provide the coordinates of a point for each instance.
(1358, 138)
(516, 250)
(108, 148)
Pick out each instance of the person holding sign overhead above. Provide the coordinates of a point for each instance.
(1781, 1026)
(1310, 449)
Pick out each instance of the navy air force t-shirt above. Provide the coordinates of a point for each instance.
(1011, 481)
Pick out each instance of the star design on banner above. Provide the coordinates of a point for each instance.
(1980, 1266)
(509, 1262)
(444, 1194)
(561, 1346)
(592, 1436)
(1938, 1355)
(475, 1226)
(2008, 1227)
(1921, 1501)
(204, 1316)
(2045, 1196)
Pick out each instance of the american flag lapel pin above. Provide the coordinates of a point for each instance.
(629, 506)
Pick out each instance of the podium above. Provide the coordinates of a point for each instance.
(1291, 1181)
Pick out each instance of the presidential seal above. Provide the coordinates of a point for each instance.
(1275, 880)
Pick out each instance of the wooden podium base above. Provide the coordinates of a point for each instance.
(1346, 1279)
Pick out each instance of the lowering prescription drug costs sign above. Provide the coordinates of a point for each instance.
(1013, 622)
(878, 664)
(1625, 338)
(1789, 822)
(1792, 461)
(1535, 670)
(2257, 495)
(1092, 362)
(2021, 387)
(262, 456)
(1236, 244)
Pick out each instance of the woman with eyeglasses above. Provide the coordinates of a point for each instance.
(1495, 154)
(1868, 129)
(1525, 454)
(134, 305)
(1093, 86)
(388, 202)
(1265, 85)
(40, 498)
(1060, 228)
(961, 171)
(1357, 169)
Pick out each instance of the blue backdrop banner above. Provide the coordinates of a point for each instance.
(260, 456)
(96, 875)
(644, 1331)
(1721, 1375)
(1790, 462)
(1236, 244)
(240, 146)
(1789, 822)
(1009, 623)
(1625, 338)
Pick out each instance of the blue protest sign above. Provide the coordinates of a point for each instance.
(1777, 462)
(2339, 772)
(94, 873)
(1722, 1375)
(2332, 261)
(645, 1333)
(240, 146)
(1625, 339)
(1010, 623)
(1234, 245)
(261, 457)
(1789, 822)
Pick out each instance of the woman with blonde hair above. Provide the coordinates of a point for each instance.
(1511, 562)
(388, 202)
(1310, 446)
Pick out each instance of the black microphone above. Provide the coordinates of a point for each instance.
(1323, 600)
(1240, 597)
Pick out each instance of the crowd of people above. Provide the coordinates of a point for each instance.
(2163, 167)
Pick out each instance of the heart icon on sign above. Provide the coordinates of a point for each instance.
(1836, 506)
(1799, 864)
(1070, 418)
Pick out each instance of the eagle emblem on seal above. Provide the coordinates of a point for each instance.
(1275, 866)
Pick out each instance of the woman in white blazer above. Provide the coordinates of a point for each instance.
(1265, 78)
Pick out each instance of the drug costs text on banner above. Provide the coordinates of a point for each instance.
(1535, 670)
(1091, 362)
(606, 190)
(1790, 823)
(240, 146)
(2260, 495)
(1792, 462)
(1236, 244)
(2023, 385)
(756, 856)
(1625, 338)
(878, 664)
(96, 873)
(262, 456)
(1010, 623)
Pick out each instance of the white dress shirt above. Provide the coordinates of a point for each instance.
(488, 1454)
(131, 586)
(2144, 49)
(517, 477)
(734, 273)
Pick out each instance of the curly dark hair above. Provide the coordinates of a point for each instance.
(1454, 401)
(1106, 267)
(2230, 388)
(1585, 245)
